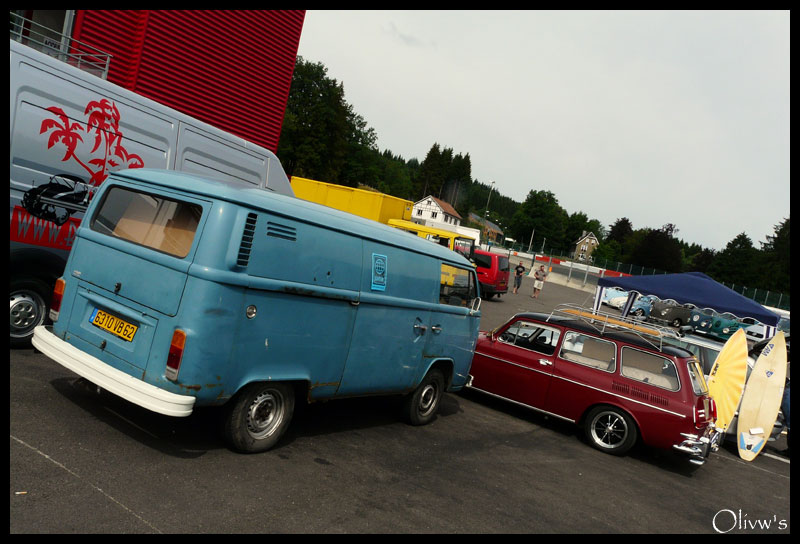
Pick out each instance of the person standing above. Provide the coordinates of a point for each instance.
(539, 277)
(519, 270)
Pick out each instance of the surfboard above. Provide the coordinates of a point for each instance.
(762, 398)
(727, 378)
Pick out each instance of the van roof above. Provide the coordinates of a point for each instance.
(290, 207)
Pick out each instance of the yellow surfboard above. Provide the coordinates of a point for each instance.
(762, 398)
(727, 378)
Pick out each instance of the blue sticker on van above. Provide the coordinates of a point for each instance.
(379, 271)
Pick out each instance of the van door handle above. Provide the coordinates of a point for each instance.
(436, 329)
(545, 362)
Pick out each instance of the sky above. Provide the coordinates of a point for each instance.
(662, 117)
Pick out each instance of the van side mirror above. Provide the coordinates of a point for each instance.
(476, 305)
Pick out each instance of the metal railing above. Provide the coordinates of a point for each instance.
(56, 44)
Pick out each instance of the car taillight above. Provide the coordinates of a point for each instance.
(175, 355)
(705, 409)
(55, 303)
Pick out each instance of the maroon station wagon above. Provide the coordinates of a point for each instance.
(621, 386)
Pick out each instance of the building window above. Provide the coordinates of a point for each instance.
(433, 215)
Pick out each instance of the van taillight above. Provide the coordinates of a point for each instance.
(175, 355)
(55, 303)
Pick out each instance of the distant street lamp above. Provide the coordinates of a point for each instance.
(485, 226)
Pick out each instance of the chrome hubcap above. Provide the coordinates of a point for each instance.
(25, 313)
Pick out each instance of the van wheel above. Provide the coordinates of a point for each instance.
(259, 416)
(610, 430)
(28, 308)
(421, 405)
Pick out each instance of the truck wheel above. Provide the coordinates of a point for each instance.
(421, 405)
(28, 298)
(259, 415)
(610, 430)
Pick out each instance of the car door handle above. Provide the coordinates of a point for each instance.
(436, 329)
(545, 362)
(420, 328)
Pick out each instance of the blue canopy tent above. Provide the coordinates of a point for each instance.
(689, 288)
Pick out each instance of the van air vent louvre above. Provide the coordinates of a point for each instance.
(281, 231)
(247, 240)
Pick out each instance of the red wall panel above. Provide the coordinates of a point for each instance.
(231, 69)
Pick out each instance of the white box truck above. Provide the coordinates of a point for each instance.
(68, 130)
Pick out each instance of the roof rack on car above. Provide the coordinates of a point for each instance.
(603, 322)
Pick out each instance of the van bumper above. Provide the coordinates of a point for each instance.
(109, 378)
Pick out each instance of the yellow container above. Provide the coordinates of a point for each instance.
(370, 204)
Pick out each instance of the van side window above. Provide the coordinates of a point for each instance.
(531, 336)
(648, 368)
(588, 350)
(149, 220)
(457, 287)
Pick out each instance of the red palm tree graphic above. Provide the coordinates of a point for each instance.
(103, 119)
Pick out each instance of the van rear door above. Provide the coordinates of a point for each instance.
(132, 263)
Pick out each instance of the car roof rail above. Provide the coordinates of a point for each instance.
(604, 322)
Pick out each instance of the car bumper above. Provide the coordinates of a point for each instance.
(109, 378)
(698, 447)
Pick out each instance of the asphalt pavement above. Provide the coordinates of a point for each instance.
(83, 462)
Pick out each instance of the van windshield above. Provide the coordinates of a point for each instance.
(148, 220)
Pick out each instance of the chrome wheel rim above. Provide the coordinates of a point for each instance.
(26, 312)
(609, 430)
(265, 414)
(429, 397)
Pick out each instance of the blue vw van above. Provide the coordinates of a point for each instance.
(181, 291)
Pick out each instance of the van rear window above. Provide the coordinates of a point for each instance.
(149, 220)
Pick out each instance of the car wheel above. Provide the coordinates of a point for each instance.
(420, 406)
(610, 430)
(259, 415)
(638, 312)
(677, 322)
(28, 309)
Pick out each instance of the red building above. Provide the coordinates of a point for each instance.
(229, 68)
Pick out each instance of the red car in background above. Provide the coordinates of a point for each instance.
(620, 386)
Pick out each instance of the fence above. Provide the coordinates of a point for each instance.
(585, 276)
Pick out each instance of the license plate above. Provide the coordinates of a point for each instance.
(114, 325)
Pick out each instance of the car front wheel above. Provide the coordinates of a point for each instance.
(420, 406)
(610, 430)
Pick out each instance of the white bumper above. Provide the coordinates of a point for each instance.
(109, 378)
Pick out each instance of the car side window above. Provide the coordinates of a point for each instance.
(457, 287)
(649, 368)
(590, 351)
(531, 336)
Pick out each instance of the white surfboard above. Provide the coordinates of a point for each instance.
(762, 399)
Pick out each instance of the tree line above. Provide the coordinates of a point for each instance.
(324, 139)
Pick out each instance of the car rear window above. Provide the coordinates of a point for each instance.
(149, 220)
